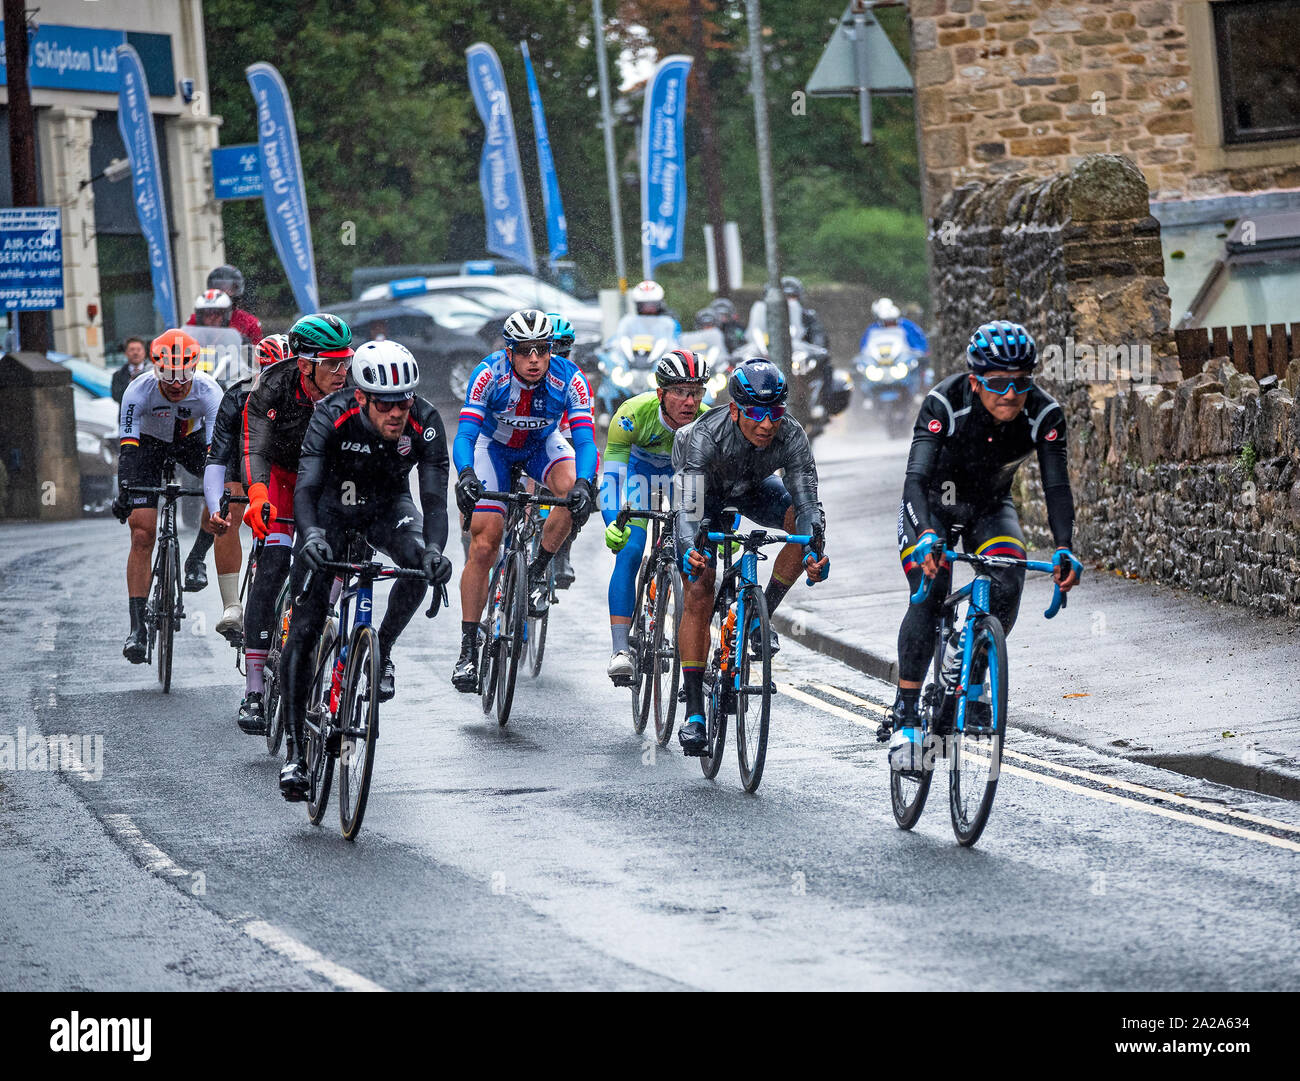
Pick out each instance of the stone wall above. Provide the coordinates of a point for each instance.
(1194, 482)
(1009, 87)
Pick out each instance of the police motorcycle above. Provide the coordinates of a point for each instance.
(707, 340)
(889, 375)
(810, 369)
(627, 361)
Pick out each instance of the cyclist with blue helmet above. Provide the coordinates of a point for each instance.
(562, 339)
(973, 432)
(562, 335)
(729, 458)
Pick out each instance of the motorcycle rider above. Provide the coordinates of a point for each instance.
(231, 282)
(648, 303)
(733, 330)
(888, 315)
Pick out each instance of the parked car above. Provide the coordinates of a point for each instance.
(97, 448)
(446, 351)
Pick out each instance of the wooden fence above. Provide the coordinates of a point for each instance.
(1257, 350)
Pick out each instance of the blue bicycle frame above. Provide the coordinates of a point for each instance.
(977, 592)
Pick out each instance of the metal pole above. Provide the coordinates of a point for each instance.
(778, 322)
(611, 168)
(712, 166)
(33, 330)
(860, 70)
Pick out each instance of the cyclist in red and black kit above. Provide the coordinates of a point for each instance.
(973, 432)
(223, 473)
(353, 475)
(275, 420)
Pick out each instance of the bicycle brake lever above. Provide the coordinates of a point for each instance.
(439, 600)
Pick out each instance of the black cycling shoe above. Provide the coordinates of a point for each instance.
(293, 781)
(694, 739)
(252, 714)
(539, 595)
(387, 680)
(136, 646)
(902, 714)
(196, 576)
(464, 677)
(755, 646)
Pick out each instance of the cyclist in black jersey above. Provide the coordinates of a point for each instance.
(353, 474)
(973, 432)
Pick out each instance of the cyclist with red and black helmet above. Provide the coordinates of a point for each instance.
(167, 415)
(275, 419)
(973, 432)
(222, 473)
(638, 461)
(730, 458)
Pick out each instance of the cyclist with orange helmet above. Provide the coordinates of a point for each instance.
(222, 474)
(167, 415)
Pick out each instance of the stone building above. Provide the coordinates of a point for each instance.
(1204, 95)
(108, 293)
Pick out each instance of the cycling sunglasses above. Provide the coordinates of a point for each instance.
(335, 360)
(760, 413)
(387, 405)
(531, 350)
(1000, 384)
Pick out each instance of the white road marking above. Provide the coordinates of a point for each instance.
(1165, 812)
(157, 862)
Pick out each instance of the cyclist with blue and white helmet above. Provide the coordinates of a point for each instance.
(730, 458)
(973, 432)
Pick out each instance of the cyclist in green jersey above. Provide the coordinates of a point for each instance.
(637, 462)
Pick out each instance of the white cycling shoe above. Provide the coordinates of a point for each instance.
(231, 621)
(620, 669)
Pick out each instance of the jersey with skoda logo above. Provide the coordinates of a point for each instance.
(963, 461)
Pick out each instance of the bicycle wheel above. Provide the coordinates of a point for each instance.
(514, 613)
(754, 698)
(320, 763)
(536, 635)
(167, 594)
(359, 721)
(489, 651)
(977, 748)
(273, 700)
(667, 665)
(715, 721)
(640, 644)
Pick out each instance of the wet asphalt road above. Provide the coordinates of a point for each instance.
(562, 852)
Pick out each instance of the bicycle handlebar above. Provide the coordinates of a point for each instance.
(164, 490)
(367, 569)
(629, 512)
(1059, 599)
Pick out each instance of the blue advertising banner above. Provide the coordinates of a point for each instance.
(283, 193)
(663, 165)
(505, 206)
(135, 122)
(31, 258)
(557, 231)
(237, 172)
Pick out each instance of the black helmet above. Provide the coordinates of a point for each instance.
(228, 278)
(757, 381)
(791, 286)
(1001, 346)
(706, 317)
(724, 308)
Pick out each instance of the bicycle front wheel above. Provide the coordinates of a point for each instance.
(717, 679)
(490, 653)
(665, 664)
(977, 746)
(320, 763)
(514, 613)
(640, 644)
(359, 722)
(167, 595)
(754, 696)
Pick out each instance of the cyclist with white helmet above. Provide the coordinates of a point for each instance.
(353, 474)
(222, 474)
(167, 415)
(638, 462)
(516, 399)
(973, 432)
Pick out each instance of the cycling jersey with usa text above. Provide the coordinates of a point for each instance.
(349, 469)
(962, 461)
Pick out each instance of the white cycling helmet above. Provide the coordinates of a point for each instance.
(528, 325)
(386, 370)
(885, 309)
(648, 292)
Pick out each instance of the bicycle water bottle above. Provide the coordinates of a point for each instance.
(950, 669)
(336, 686)
(728, 636)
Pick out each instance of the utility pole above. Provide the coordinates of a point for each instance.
(778, 322)
(712, 168)
(611, 166)
(33, 331)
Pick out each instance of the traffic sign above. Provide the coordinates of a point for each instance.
(859, 38)
(237, 172)
(31, 258)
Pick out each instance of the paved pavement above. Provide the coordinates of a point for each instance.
(1130, 668)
